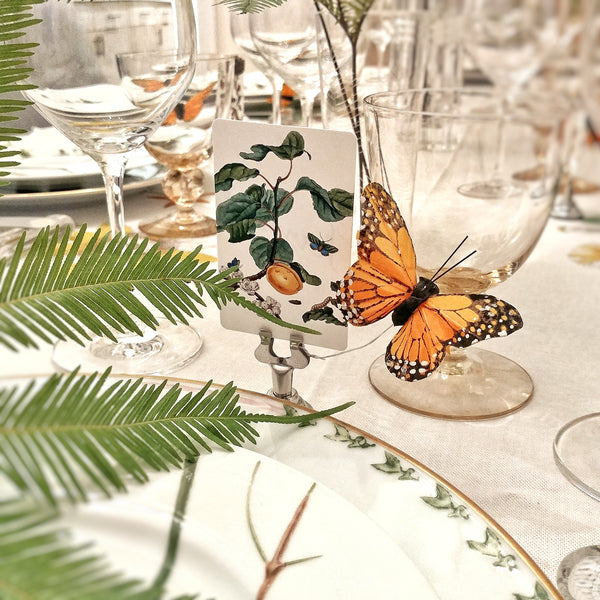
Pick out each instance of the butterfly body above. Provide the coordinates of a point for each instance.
(384, 280)
(424, 289)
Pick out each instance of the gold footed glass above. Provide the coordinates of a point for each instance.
(183, 143)
(423, 146)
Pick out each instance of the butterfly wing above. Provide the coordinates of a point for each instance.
(194, 105)
(385, 273)
(419, 346)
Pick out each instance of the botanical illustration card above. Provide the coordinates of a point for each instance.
(285, 198)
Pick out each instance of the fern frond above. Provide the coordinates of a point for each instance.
(60, 291)
(15, 17)
(250, 6)
(75, 433)
(40, 560)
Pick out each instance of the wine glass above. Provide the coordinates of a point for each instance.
(184, 143)
(508, 40)
(240, 32)
(109, 106)
(379, 33)
(286, 37)
(421, 144)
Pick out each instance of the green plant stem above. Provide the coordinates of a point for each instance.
(351, 103)
(183, 494)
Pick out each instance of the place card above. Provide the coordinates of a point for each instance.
(285, 200)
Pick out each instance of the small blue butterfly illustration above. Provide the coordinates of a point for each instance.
(320, 245)
(234, 263)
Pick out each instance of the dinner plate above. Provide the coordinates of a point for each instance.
(53, 170)
(382, 524)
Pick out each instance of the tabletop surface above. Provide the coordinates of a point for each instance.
(505, 465)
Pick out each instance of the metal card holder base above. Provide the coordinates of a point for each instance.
(282, 368)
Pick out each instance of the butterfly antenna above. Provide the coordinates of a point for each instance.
(454, 265)
(435, 275)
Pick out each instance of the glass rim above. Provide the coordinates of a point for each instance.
(196, 56)
(546, 109)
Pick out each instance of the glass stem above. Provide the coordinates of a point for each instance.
(113, 173)
(276, 83)
(306, 106)
(501, 140)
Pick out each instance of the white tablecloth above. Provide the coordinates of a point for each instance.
(504, 465)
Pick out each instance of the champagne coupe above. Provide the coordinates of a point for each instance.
(576, 449)
(184, 144)
(240, 32)
(286, 37)
(508, 40)
(109, 107)
(421, 144)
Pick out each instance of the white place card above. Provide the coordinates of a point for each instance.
(285, 199)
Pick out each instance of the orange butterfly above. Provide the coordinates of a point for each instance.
(384, 281)
(188, 111)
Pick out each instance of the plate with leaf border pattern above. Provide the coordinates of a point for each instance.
(463, 553)
(446, 546)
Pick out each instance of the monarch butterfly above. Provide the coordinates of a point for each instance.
(321, 246)
(188, 111)
(384, 281)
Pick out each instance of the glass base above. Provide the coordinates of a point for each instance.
(471, 385)
(578, 575)
(159, 352)
(577, 453)
(171, 228)
(490, 190)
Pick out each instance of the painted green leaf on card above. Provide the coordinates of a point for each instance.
(305, 275)
(241, 214)
(324, 314)
(261, 248)
(227, 174)
(292, 147)
(330, 206)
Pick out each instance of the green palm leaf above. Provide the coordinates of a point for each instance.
(61, 290)
(40, 561)
(14, 18)
(76, 433)
(250, 6)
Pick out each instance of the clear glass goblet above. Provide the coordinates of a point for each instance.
(508, 40)
(422, 145)
(183, 143)
(109, 106)
(286, 37)
(240, 32)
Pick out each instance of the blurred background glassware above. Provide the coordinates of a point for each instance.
(509, 40)
(286, 37)
(560, 75)
(576, 448)
(103, 105)
(240, 32)
(422, 145)
(183, 143)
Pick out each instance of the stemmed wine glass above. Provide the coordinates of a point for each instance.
(108, 89)
(184, 144)
(421, 144)
(240, 32)
(286, 37)
(576, 449)
(508, 40)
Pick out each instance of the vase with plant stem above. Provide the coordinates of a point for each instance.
(70, 437)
